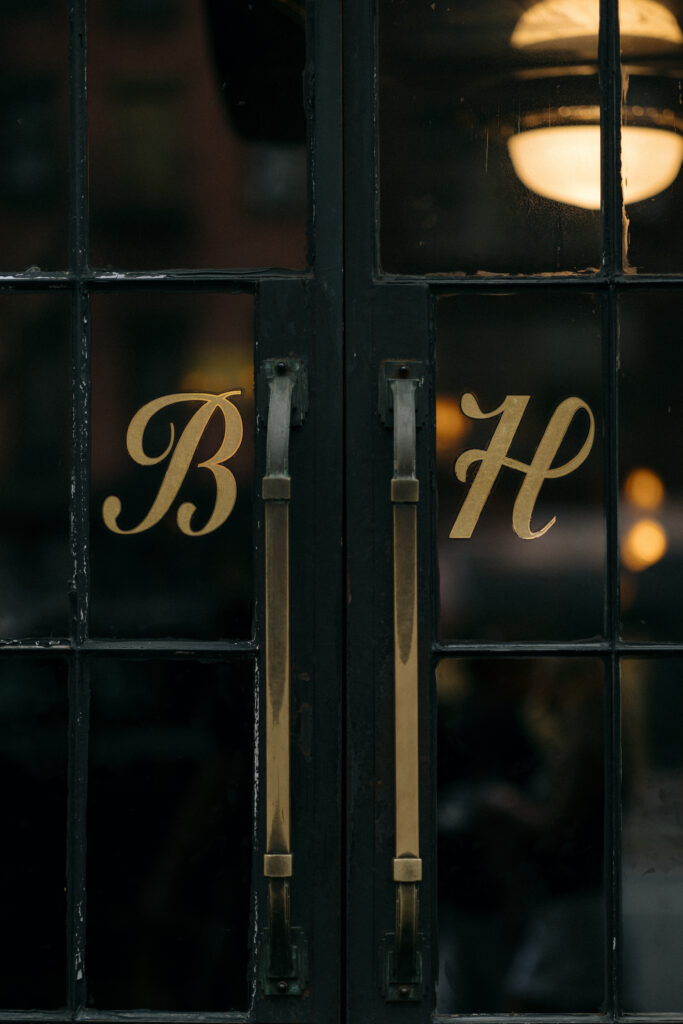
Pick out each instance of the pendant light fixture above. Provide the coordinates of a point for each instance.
(556, 152)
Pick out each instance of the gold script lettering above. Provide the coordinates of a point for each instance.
(180, 460)
(493, 458)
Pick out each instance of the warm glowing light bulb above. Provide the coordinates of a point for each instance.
(647, 19)
(644, 489)
(645, 543)
(650, 161)
(574, 24)
(563, 162)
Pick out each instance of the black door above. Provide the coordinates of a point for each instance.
(340, 640)
(512, 269)
(172, 634)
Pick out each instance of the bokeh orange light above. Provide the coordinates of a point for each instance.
(644, 545)
(644, 489)
(451, 424)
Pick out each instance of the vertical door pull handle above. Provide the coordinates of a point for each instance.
(401, 387)
(285, 948)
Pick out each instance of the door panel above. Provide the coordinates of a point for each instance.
(521, 479)
(649, 430)
(152, 573)
(651, 881)
(134, 550)
(34, 761)
(34, 128)
(653, 240)
(520, 835)
(34, 351)
(169, 834)
(454, 88)
(197, 134)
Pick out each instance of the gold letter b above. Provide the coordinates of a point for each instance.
(179, 463)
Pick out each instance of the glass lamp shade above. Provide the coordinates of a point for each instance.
(563, 162)
(574, 24)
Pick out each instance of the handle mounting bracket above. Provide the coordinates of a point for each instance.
(292, 980)
(397, 985)
(401, 369)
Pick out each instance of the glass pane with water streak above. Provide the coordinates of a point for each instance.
(652, 865)
(489, 138)
(197, 133)
(651, 464)
(520, 836)
(521, 543)
(34, 134)
(33, 751)
(651, 145)
(169, 835)
(157, 567)
(35, 459)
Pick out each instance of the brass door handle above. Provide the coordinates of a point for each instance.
(402, 381)
(284, 972)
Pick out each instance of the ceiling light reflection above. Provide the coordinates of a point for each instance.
(563, 162)
(570, 24)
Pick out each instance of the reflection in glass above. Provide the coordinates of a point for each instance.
(652, 73)
(34, 465)
(196, 114)
(33, 135)
(459, 82)
(497, 580)
(161, 581)
(558, 23)
(652, 866)
(33, 746)
(169, 835)
(563, 161)
(651, 460)
(520, 819)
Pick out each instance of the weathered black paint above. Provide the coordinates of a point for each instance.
(343, 895)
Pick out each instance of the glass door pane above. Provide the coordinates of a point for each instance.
(519, 429)
(479, 110)
(520, 826)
